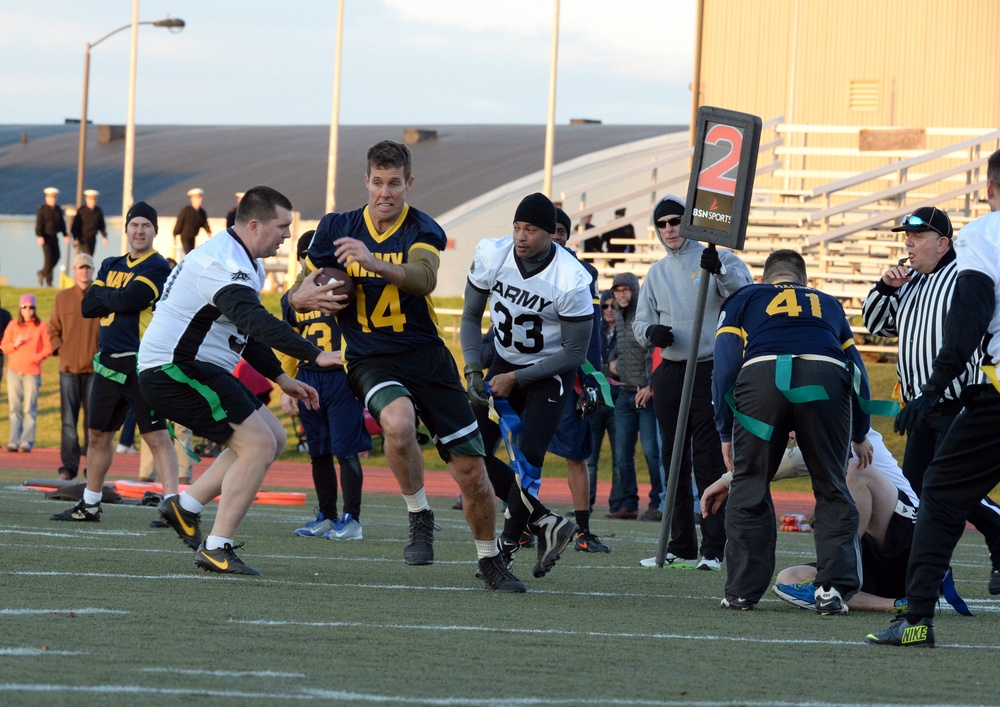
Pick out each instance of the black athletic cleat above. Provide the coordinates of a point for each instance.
(496, 575)
(420, 549)
(81, 513)
(994, 585)
(902, 633)
(527, 539)
(223, 560)
(738, 604)
(588, 542)
(185, 523)
(554, 534)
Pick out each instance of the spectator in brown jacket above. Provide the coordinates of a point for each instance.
(74, 341)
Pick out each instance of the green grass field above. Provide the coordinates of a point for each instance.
(115, 613)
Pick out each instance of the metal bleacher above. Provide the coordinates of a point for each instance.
(818, 192)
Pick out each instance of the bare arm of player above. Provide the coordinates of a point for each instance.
(714, 497)
(503, 384)
(288, 405)
(864, 452)
(298, 390)
(306, 296)
(727, 455)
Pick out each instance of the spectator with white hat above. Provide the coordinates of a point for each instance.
(87, 223)
(49, 223)
(192, 219)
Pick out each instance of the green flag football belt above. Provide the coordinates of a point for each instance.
(805, 393)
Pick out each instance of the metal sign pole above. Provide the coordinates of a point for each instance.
(680, 433)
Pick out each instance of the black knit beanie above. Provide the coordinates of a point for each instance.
(563, 218)
(667, 207)
(537, 210)
(143, 210)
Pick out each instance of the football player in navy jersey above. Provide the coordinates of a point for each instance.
(542, 310)
(397, 363)
(784, 356)
(122, 295)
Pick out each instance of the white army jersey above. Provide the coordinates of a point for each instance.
(186, 324)
(526, 310)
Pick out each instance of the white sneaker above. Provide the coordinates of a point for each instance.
(122, 449)
(671, 560)
(347, 528)
(709, 563)
(829, 602)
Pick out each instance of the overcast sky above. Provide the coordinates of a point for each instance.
(262, 62)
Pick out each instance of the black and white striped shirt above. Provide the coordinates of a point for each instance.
(916, 313)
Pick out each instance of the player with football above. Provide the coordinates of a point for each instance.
(542, 311)
(397, 364)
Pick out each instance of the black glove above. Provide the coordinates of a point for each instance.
(590, 398)
(915, 411)
(475, 386)
(710, 261)
(659, 335)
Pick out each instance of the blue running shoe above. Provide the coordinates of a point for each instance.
(347, 528)
(802, 595)
(316, 528)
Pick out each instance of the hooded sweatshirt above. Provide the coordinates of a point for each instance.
(634, 359)
(669, 295)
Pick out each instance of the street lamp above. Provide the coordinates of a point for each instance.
(169, 23)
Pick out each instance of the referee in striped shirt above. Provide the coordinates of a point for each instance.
(911, 302)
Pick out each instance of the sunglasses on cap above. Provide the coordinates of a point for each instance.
(920, 223)
(663, 223)
(28, 306)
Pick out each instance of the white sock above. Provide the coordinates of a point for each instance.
(214, 542)
(417, 502)
(92, 498)
(487, 548)
(190, 503)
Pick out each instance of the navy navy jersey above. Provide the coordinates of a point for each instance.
(777, 319)
(382, 319)
(321, 329)
(121, 331)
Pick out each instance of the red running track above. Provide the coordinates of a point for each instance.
(44, 463)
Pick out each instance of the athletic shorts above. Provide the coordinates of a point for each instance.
(338, 427)
(110, 402)
(203, 397)
(573, 439)
(429, 377)
(885, 570)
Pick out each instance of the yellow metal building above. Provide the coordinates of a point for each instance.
(914, 63)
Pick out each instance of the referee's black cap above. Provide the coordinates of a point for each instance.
(927, 218)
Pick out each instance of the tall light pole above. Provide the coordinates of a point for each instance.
(550, 124)
(331, 163)
(170, 23)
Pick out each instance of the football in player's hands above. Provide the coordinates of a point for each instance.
(327, 275)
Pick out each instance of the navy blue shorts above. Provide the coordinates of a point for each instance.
(338, 427)
(573, 438)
